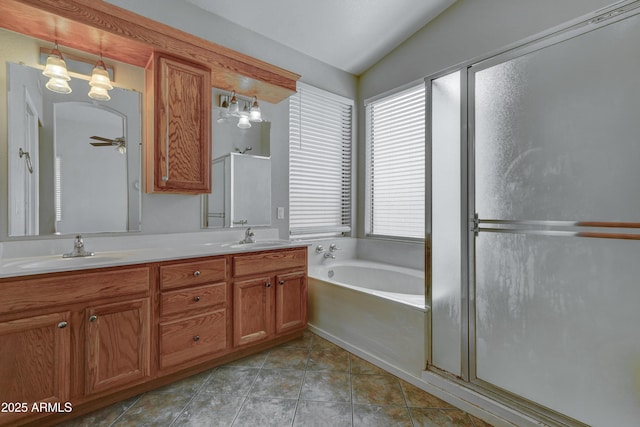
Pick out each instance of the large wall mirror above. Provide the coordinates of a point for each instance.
(241, 173)
(73, 163)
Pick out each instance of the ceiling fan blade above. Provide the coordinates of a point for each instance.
(101, 144)
(100, 138)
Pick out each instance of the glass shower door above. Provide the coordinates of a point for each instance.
(555, 257)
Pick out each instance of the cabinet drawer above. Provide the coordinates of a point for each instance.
(187, 339)
(190, 298)
(31, 293)
(193, 273)
(245, 265)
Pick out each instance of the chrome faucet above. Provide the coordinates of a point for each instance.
(248, 236)
(329, 255)
(78, 249)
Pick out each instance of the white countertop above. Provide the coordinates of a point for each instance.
(21, 258)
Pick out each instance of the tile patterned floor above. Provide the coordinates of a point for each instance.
(305, 383)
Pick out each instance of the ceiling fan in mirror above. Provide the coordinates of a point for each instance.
(119, 143)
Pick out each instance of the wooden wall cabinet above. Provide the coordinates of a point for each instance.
(178, 104)
(270, 295)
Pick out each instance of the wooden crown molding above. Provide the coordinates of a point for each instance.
(96, 27)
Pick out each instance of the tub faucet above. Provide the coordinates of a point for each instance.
(248, 236)
(78, 249)
(329, 255)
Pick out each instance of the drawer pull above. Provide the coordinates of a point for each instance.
(93, 318)
(196, 338)
(281, 282)
(268, 285)
(62, 324)
(196, 298)
(196, 273)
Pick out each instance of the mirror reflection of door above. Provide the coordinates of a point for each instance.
(83, 171)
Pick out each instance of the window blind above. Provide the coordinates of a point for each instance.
(320, 139)
(396, 165)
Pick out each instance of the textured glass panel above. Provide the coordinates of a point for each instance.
(445, 221)
(557, 131)
(557, 322)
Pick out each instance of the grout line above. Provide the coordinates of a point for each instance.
(353, 406)
(304, 376)
(244, 402)
(126, 410)
(193, 396)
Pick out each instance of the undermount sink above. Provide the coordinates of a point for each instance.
(257, 245)
(57, 261)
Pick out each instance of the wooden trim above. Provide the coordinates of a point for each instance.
(96, 26)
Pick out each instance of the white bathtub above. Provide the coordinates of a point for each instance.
(400, 284)
(371, 308)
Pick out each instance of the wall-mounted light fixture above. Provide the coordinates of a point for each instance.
(230, 107)
(100, 82)
(56, 70)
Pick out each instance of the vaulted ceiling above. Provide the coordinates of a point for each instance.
(351, 35)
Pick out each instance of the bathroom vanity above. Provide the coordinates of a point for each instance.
(84, 339)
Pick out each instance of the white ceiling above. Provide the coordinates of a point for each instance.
(351, 35)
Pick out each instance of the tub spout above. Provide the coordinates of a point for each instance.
(329, 255)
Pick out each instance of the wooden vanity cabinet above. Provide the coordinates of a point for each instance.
(270, 294)
(178, 149)
(35, 354)
(68, 337)
(194, 324)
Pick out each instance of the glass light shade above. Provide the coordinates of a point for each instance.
(233, 106)
(58, 85)
(56, 67)
(245, 111)
(255, 115)
(100, 77)
(99, 94)
(243, 123)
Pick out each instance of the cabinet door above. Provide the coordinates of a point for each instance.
(291, 302)
(252, 310)
(117, 344)
(182, 127)
(34, 362)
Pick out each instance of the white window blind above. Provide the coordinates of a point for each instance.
(396, 165)
(320, 139)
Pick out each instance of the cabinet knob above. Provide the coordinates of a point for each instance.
(196, 338)
(93, 318)
(165, 178)
(196, 273)
(62, 324)
(196, 298)
(281, 282)
(268, 285)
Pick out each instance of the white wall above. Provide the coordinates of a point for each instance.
(177, 213)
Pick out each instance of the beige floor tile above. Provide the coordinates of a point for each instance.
(324, 359)
(380, 416)
(377, 390)
(440, 418)
(361, 366)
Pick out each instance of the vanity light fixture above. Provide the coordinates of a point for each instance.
(100, 82)
(56, 70)
(234, 108)
(243, 122)
(230, 107)
(255, 115)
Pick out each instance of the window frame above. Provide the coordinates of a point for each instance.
(330, 231)
(368, 202)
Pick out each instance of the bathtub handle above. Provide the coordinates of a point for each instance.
(268, 285)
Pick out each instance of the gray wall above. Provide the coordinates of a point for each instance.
(468, 29)
(178, 213)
